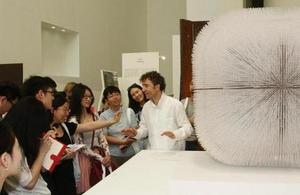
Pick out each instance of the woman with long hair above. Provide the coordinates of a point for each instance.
(136, 98)
(30, 122)
(62, 178)
(10, 153)
(81, 103)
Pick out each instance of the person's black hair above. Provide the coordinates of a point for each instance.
(136, 106)
(30, 121)
(10, 90)
(7, 138)
(60, 99)
(33, 84)
(155, 78)
(75, 104)
(50, 82)
(110, 90)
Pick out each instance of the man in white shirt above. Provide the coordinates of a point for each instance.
(163, 118)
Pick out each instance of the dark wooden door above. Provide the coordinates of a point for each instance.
(12, 72)
(188, 33)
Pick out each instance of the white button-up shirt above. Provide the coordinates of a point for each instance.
(167, 115)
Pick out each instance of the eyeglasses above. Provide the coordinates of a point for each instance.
(113, 95)
(88, 98)
(52, 92)
(12, 102)
(64, 109)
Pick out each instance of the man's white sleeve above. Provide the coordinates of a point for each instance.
(142, 131)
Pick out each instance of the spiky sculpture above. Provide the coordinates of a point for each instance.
(246, 72)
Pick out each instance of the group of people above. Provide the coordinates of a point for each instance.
(152, 120)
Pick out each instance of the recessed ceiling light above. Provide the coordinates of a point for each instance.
(63, 30)
(53, 27)
(163, 57)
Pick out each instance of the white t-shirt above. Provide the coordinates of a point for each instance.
(15, 185)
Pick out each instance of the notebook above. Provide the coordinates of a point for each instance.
(54, 155)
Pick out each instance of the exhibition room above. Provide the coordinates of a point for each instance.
(150, 97)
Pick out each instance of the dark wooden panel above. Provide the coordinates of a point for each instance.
(254, 3)
(12, 72)
(188, 33)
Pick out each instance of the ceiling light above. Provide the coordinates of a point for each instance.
(163, 57)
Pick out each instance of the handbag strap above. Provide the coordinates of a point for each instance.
(128, 116)
(67, 131)
(102, 166)
(94, 119)
(92, 144)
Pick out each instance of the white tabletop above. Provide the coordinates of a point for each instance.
(182, 172)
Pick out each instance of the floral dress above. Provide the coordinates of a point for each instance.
(82, 164)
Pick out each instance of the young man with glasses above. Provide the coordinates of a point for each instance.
(42, 88)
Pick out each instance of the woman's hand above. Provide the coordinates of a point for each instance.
(106, 161)
(129, 132)
(46, 141)
(126, 143)
(45, 145)
(51, 133)
(70, 154)
(117, 117)
(129, 141)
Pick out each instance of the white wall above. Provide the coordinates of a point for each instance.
(199, 10)
(162, 23)
(60, 51)
(106, 29)
(20, 34)
(281, 3)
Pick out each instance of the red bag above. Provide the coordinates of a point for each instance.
(99, 171)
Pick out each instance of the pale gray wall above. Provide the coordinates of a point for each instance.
(281, 3)
(198, 10)
(106, 29)
(115, 27)
(163, 22)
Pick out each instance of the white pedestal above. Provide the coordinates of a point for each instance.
(155, 172)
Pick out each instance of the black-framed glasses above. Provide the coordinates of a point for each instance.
(12, 102)
(52, 92)
(88, 97)
(64, 109)
(113, 95)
